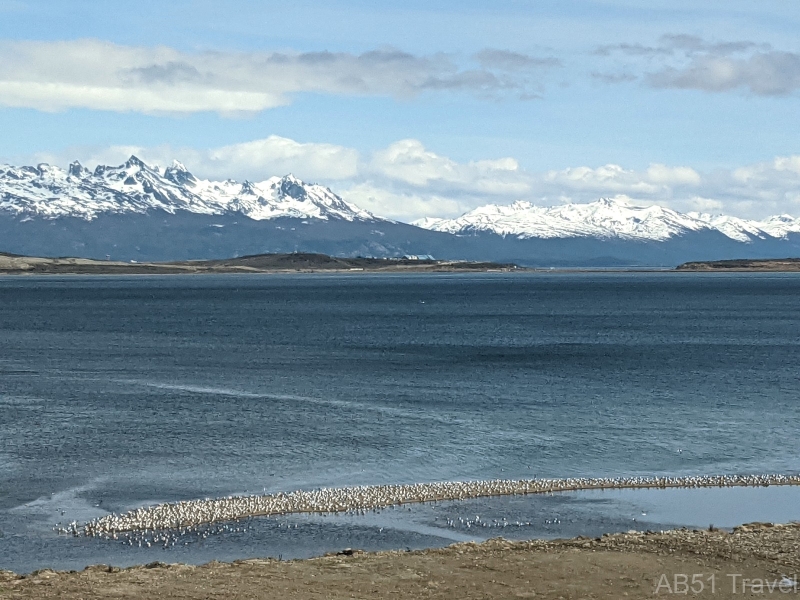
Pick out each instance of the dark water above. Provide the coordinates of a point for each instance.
(122, 391)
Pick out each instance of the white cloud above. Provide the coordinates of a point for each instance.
(692, 63)
(253, 160)
(755, 191)
(774, 184)
(409, 162)
(281, 155)
(607, 179)
(705, 205)
(789, 164)
(406, 181)
(662, 174)
(95, 74)
(513, 61)
(763, 74)
(403, 206)
(673, 44)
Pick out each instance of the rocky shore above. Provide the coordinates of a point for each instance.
(755, 560)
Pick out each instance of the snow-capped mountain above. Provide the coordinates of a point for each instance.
(606, 219)
(136, 187)
(743, 230)
(136, 211)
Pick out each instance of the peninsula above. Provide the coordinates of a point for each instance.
(12, 264)
(760, 264)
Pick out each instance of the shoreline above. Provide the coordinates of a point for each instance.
(630, 564)
(185, 515)
(263, 263)
(442, 270)
(310, 263)
(742, 265)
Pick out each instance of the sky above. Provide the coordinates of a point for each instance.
(413, 109)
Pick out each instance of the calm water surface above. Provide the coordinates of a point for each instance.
(122, 391)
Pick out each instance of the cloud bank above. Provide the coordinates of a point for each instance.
(100, 75)
(691, 63)
(407, 181)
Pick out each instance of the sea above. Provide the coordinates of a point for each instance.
(124, 391)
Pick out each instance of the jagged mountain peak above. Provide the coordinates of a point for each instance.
(135, 161)
(179, 174)
(293, 187)
(248, 188)
(782, 219)
(76, 169)
(609, 202)
(136, 186)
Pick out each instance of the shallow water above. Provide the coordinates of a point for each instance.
(122, 391)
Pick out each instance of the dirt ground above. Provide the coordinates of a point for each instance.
(758, 560)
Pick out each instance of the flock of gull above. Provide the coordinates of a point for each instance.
(191, 514)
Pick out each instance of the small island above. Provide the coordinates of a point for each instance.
(743, 264)
(12, 264)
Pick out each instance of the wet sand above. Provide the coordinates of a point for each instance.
(758, 560)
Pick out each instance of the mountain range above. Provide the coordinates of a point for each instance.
(608, 219)
(136, 211)
(136, 187)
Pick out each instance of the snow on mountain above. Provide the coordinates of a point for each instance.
(742, 230)
(429, 222)
(50, 192)
(136, 187)
(780, 225)
(606, 219)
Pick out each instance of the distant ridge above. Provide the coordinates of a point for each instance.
(137, 211)
(607, 219)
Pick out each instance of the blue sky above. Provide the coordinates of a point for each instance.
(416, 108)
